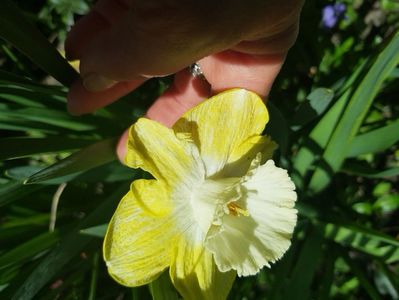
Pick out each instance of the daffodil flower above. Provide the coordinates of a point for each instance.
(218, 205)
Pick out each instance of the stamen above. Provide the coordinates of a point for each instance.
(236, 210)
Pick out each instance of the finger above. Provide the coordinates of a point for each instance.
(101, 17)
(185, 92)
(232, 69)
(274, 44)
(157, 38)
(82, 101)
(121, 147)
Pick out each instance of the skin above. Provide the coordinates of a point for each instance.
(122, 43)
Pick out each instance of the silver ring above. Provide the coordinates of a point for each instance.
(195, 71)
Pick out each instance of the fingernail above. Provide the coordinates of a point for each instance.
(95, 82)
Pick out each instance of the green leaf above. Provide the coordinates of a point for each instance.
(382, 188)
(15, 190)
(13, 78)
(163, 289)
(375, 141)
(329, 274)
(31, 94)
(318, 102)
(364, 170)
(28, 249)
(364, 240)
(32, 90)
(20, 147)
(395, 73)
(298, 285)
(18, 31)
(341, 139)
(386, 281)
(94, 276)
(313, 146)
(110, 172)
(277, 127)
(18, 125)
(360, 274)
(96, 231)
(69, 247)
(47, 116)
(387, 203)
(92, 156)
(363, 208)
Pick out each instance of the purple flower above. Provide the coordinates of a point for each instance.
(332, 13)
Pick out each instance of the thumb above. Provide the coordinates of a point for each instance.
(157, 40)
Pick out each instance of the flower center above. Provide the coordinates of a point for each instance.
(235, 210)
(212, 200)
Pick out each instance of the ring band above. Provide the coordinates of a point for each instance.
(195, 71)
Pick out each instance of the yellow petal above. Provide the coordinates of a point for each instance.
(195, 275)
(156, 149)
(137, 246)
(151, 196)
(222, 123)
(242, 156)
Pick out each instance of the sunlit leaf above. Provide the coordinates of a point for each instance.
(375, 141)
(96, 231)
(365, 240)
(85, 159)
(20, 147)
(317, 103)
(18, 31)
(69, 247)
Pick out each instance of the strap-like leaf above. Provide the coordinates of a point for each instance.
(376, 140)
(83, 160)
(27, 38)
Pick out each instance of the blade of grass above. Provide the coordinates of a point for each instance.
(21, 147)
(298, 285)
(54, 92)
(23, 126)
(317, 103)
(313, 146)
(94, 277)
(282, 270)
(92, 156)
(390, 280)
(96, 231)
(364, 170)
(328, 274)
(15, 190)
(69, 247)
(29, 249)
(365, 240)
(12, 78)
(21, 98)
(277, 127)
(375, 141)
(336, 150)
(47, 116)
(358, 271)
(23, 35)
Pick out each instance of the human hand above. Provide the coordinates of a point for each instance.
(122, 43)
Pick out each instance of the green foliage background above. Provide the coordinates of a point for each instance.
(334, 112)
